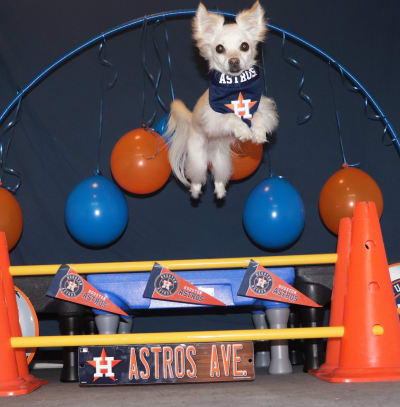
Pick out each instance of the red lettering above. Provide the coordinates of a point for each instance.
(237, 359)
(167, 362)
(156, 350)
(179, 354)
(214, 364)
(146, 373)
(191, 350)
(133, 370)
(226, 358)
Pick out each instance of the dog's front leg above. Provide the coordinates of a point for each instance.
(265, 120)
(230, 124)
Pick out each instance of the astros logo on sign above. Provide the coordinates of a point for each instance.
(166, 284)
(260, 282)
(103, 365)
(71, 285)
(396, 291)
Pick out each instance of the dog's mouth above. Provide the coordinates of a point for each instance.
(234, 65)
(234, 69)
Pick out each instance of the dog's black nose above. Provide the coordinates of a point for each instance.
(234, 64)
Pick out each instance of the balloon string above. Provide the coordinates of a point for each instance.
(355, 89)
(337, 115)
(157, 140)
(168, 139)
(146, 74)
(301, 93)
(392, 140)
(154, 80)
(367, 108)
(270, 173)
(104, 87)
(264, 70)
(146, 125)
(169, 64)
(4, 149)
(156, 84)
(142, 46)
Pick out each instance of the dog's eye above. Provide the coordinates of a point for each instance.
(244, 46)
(220, 49)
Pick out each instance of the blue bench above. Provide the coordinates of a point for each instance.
(126, 291)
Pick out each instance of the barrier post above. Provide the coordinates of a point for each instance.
(10, 382)
(369, 303)
(337, 302)
(14, 377)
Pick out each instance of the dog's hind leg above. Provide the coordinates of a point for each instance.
(221, 161)
(196, 163)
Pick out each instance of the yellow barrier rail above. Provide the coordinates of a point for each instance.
(197, 264)
(181, 337)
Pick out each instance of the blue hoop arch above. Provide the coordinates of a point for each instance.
(189, 13)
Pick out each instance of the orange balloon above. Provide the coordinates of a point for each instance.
(246, 157)
(139, 161)
(342, 191)
(10, 217)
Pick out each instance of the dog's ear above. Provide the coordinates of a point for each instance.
(206, 25)
(253, 21)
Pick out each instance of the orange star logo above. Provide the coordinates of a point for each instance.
(103, 366)
(241, 107)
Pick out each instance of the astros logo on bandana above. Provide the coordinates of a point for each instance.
(241, 107)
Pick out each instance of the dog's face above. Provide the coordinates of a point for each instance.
(229, 48)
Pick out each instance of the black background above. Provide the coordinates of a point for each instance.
(55, 143)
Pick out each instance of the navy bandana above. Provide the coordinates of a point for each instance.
(236, 94)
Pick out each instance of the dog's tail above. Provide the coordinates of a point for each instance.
(178, 131)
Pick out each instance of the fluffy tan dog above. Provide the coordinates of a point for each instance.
(232, 108)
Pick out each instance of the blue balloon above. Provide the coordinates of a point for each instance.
(273, 215)
(96, 212)
(162, 125)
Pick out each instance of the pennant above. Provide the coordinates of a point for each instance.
(68, 285)
(259, 282)
(163, 284)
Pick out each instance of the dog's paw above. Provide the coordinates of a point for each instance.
(219, 190)
(259, 135)
(265, 120)
(195, 190)
(271, 125)
(234, 125)
(243, 133)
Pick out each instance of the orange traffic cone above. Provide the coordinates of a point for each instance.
(370, 348)
(14, 377)
(337, 302)
(10, 382)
